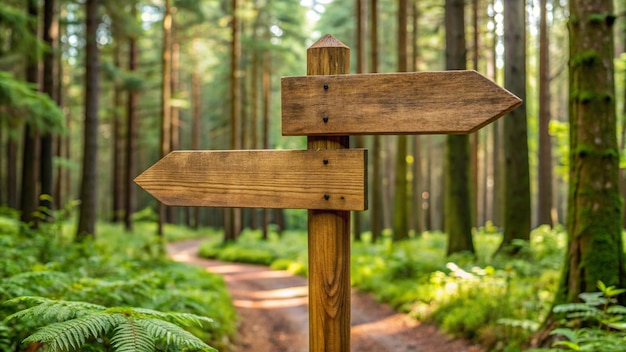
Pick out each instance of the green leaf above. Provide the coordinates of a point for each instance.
(571, 345)
(567, 333)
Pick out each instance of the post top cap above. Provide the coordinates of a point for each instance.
(328, 41)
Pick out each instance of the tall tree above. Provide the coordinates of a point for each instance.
(172, 215)
(594, 206)
(195, 114)
(376, 205)
(401, 202)
(416, 219)
(28, 193)
(131, 128)
(595, 247)
(49, 37)
(118, 186)
(360, 68)
(544, 191)
(458, 214)
(166, 96)
(232, 221)
(517, 176)
(89, 181)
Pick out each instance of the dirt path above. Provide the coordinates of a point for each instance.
(272, 306)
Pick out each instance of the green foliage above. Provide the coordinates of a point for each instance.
(22, 103)
(496, 301)
(596, 324)
(70, 325)
(287, 251)
(120, 269)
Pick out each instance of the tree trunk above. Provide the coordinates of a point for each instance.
(195, 120)
(12, 199)
(131, 133)
(376, 205)
(118, 189)
(89, 182)
(458, 214)
(544, 192)
(166, 96)
(594, 215)
(232, 216)
(174, 111)
(474, 137)
(47, 147)
(517, 179)
(415, 209)
(401, 202)
(267, 92)
(359, 141)
(595, 248)
(28, 194)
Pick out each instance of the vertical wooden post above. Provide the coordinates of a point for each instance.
(329, 231)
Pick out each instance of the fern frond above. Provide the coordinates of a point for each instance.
(186, 319)
(51, 310)
(173, 334)
(73, 333)
(131, 336)
(574, 307)
(33, 282)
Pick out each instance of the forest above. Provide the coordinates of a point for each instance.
(510, 237)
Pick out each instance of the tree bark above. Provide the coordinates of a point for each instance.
(359, 141)
(131, 132)
(401, 201)
(166, 96)
(458, 221)
(232, 216)
(544, 191)
(28, 193)
(89, 181)
(47, 147)
(118, 186)
(174, 111)
(376, 205)
(517, 215)
(595, 250)
(195, 119)
(416, 218)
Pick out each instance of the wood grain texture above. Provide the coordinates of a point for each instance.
(297, 179)
(329, 231)
(447, 102)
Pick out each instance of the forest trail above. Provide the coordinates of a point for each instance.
(273, 310)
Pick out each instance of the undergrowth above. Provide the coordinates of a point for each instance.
(123, 272)
(496, 301)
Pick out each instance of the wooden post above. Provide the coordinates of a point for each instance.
(329, 231)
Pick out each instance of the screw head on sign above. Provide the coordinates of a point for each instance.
(325, 86)
(326, 196)
(325, 119)
(325, 161)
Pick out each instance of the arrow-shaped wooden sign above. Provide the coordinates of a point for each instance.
(448, 102)
(296, 179)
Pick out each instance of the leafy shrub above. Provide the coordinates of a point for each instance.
(119, 269)
(494, 300)
(596, 324)
(72, 325)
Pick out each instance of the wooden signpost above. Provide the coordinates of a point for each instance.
(329, 179)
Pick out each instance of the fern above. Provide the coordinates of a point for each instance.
(71, 324)
(130, 336)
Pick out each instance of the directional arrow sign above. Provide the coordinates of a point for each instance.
(297, 179)
(448, 102)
